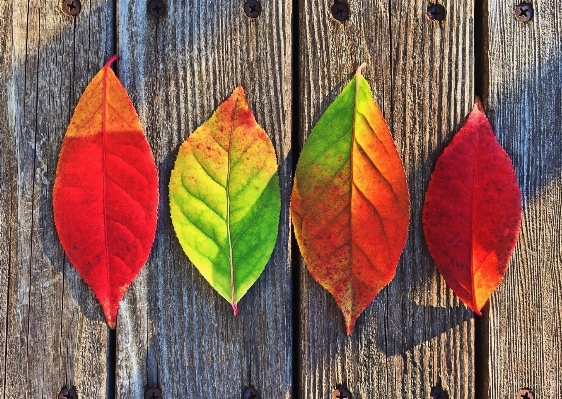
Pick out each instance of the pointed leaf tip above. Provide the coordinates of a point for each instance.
(349, 173)
(349, 326)
(478, 106)
(472, 211)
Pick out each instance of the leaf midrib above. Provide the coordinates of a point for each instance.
(104, 166)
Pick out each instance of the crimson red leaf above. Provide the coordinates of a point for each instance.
(472, 211)
(105, 196)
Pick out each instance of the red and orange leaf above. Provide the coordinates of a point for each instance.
(105, 196)
(472, 211)
(350, 203)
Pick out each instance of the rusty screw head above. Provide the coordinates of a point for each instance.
(340, 11)
(436, 12)
(66, 393)
(153, 393)
(525, 393)
(250, 393)
(341, 392)
(156, 8)
(524, 12)
(252, 8)
(71, 7)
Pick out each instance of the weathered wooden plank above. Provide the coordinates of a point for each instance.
(416, 332)
(54, 330)
(525, 101)
(173, 330)
(7, 179)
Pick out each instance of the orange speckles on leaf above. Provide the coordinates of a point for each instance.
(350, 202)
(224, 198)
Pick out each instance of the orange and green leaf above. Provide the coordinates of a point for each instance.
(350, 203)
(105, 196)
(472, 211)
(225, 200)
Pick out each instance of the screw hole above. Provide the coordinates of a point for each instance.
(340, 10)
(436, 12)
(252, 8)
(153, 393)
(250, 393)
(66, 393)
(524, 12)
(71, 7)
(525, 393)
(437, 392)
(156, 8)
(341, 392)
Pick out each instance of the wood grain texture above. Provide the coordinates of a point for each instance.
(416, 332)
(52, 328)
(8, 182)
(525, 101)
(174, 331)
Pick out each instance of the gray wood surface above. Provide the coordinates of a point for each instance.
(525, 102)
(174, 330)
(416, 332)
(52, 329)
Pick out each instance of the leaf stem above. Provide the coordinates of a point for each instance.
(360, 69)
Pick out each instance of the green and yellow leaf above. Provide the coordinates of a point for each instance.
(225, 200)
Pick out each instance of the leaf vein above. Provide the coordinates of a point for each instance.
(126, 192)
(206, 171)
(375, 210)
(195, 225)
(375, 168)
(188, 192)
